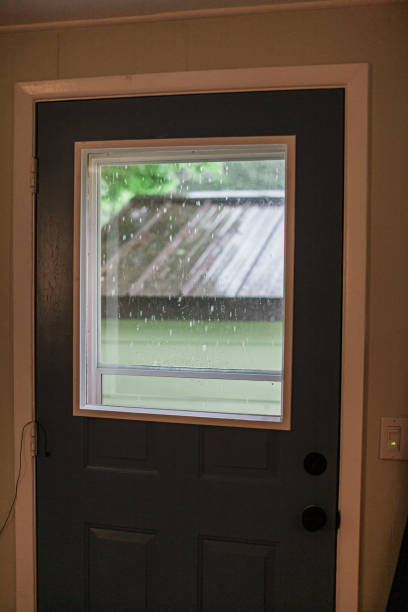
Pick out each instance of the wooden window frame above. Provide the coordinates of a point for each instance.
(84, 379)
(354, 79)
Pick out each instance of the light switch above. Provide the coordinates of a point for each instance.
(394, 438)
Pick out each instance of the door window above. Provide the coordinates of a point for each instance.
(184, 266)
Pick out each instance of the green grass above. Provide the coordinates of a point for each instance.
(217, 344)
(193, 394)
(247, 345)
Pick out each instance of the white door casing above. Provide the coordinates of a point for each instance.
(354, 79)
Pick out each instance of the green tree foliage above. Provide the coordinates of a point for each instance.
(121, 183)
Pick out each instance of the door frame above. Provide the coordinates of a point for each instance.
(354, 79)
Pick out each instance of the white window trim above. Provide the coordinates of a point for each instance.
(90, 157)
(354, 79)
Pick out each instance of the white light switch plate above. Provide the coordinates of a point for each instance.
(394, 438)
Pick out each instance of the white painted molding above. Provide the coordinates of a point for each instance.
(23, 345)
(205, 13)
(354, 79)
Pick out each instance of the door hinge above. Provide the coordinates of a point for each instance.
(34, 440)
(338, 519)
(34, 176)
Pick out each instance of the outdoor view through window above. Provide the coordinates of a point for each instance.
(191, 284)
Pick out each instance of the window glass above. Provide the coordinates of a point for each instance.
(198, 394)
(186, 280)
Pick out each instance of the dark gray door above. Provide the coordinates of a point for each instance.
(157, 517)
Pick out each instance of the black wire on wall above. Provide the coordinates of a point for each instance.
(13, 503)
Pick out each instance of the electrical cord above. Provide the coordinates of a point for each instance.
(3, 526)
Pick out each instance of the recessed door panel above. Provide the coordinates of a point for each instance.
(228, 567)
(119, 569)
(247, 454)
(119, 445)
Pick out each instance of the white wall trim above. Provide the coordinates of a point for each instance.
(354, 78)
(205, 13)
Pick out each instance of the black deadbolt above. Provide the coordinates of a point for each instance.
(313, 518)
(315, 463)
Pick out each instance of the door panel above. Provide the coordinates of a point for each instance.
(118, 568)
(166, 517)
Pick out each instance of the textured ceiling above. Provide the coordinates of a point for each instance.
(20, 12)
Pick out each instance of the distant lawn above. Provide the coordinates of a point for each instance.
(247, 345)
(216, 344)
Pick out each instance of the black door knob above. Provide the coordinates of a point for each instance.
(315, 464)
(313, 518)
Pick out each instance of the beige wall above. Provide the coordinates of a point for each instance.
(376, 34)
